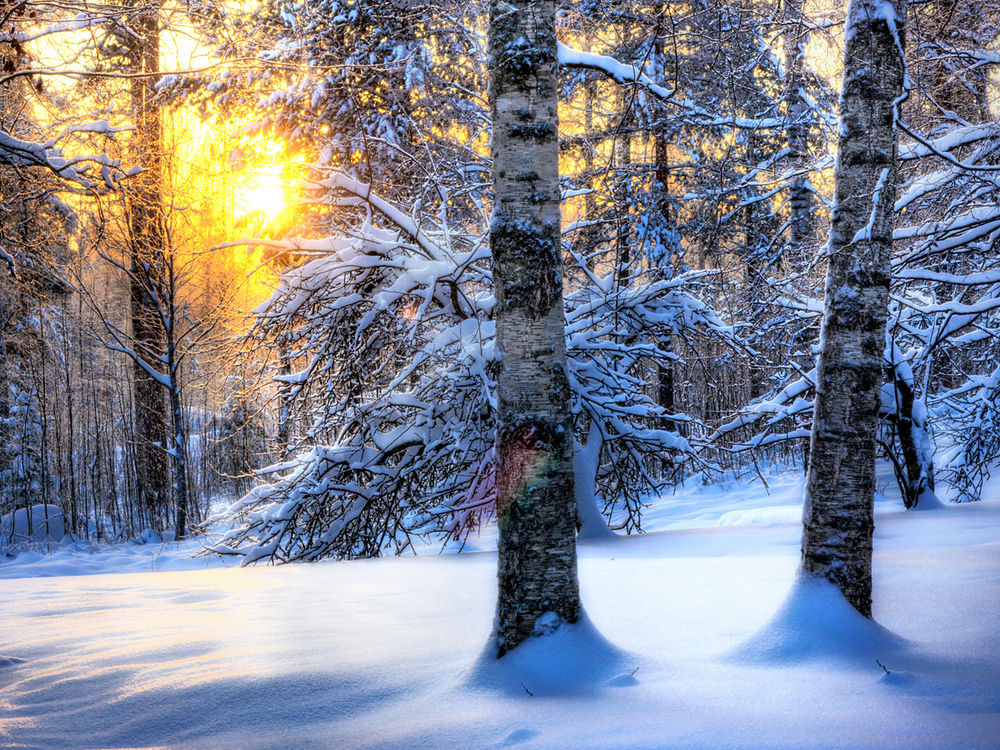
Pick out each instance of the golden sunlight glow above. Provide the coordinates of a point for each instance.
(264, 193)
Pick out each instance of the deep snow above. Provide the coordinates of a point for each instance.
(714, 645)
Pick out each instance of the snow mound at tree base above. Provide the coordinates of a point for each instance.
(815, 622)
(928, 501)
(562, 659)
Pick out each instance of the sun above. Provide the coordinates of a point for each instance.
(264, 193)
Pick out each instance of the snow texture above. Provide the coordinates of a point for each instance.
(387, 653)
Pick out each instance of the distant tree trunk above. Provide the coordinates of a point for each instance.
(664, 370)
(622, 145)
(284, 436)
(590, 235)
(665, 383)
(148, 241)
(179, 446)
(586, 464)
(665, 240)
(962, 92)
(535, 493)
(11, 100)
(6, 464)
(915, 475)
(74, 499)
(797, 133)
(838, 515)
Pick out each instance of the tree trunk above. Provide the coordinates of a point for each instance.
(622, 166)
(6, 463)
(284, 437)
(665, 237)
(838, 515)
(590, 235)
(586, 464)
(148, 241)
(965, 93)
(534, 483)
(179, 456)
(799, 191)
(916, 475)
(665, 397)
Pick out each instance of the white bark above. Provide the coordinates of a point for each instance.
(799, 193)
(535, 496)
(838, 515)
(586, 462)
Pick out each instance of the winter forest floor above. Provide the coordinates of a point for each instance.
(145, 646)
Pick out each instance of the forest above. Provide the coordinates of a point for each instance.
(685, 311)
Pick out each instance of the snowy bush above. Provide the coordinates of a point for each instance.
(393, 332)
(30, 526)
(943, 335)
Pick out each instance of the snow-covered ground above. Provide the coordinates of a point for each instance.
(711, 650)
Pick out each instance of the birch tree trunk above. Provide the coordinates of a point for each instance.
(838, 515)
(799, 192)
(535, 492)
(586, 464)
(284, 438)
